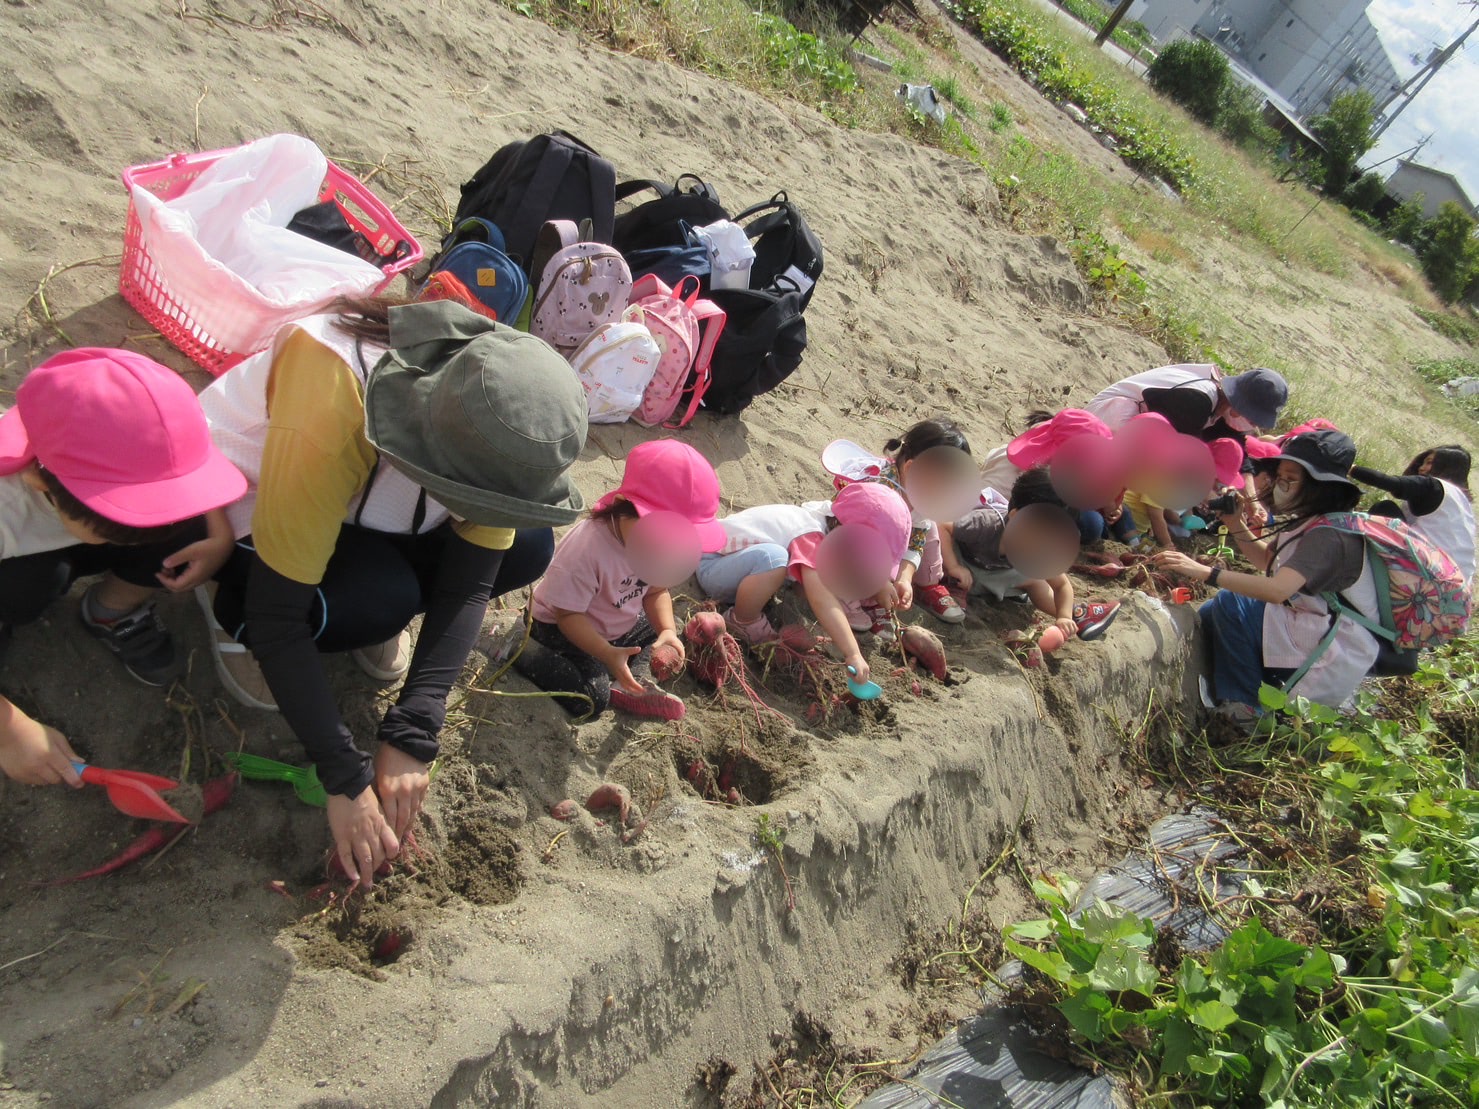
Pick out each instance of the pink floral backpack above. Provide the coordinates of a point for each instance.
(686, 329)
(582, 285)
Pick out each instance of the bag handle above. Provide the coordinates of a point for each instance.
(554, 236)
(632, 188)
(692, 298)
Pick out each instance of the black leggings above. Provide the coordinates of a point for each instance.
(30, 583)
(375, 582)
(556, 665)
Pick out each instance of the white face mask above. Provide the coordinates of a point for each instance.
(1239, 423)
(1284, 498)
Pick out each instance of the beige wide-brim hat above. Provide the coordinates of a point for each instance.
(488, 420)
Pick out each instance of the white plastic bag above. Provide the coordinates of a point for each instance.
(223, 250)
(730, 254)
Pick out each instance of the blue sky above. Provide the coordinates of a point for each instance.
(1446, 109)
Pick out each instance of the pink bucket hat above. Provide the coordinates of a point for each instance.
(124, 434)
(873, 507)
(665, 475)
(1038, 444)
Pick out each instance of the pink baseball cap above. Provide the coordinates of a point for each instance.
(876, 508)
(124, 434)
(665, 475)
(1038, 444)
(1227, 456)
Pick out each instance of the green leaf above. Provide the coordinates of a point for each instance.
(1030, 930)
(1368, 1028)
(1086, 1011)
(1434, 1030)
(1272, 698)
(1050, 963)
(1317, 972)
(1213, 1015)
(1422, 806)
(1123, 968)
(1178, 1040)
(1205, 1064)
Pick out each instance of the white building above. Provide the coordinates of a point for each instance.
(1434, 185)
(1308, 51)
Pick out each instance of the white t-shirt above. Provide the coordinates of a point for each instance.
(781, 524)
(1121, 402)
(1450, 527)
(28, 523)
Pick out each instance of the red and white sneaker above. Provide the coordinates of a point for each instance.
(1094, 617)
(939, 601)
(654, 704)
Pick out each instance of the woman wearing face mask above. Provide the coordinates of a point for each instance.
(1263, 627)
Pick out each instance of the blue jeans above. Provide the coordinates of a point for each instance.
(719, 575)
(1233, 627)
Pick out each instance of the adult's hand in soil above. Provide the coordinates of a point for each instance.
(673, 639)
(361, 836)
(618, 665)
(1177, 563)
(33, 753)
(401, 783)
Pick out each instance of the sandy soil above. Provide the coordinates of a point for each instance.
(516, 959)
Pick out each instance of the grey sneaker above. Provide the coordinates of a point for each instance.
(140, 640)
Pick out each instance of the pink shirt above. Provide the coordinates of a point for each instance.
(590, 574)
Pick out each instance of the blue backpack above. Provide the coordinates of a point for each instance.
(474, 266)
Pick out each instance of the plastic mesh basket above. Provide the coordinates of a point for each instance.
(382, 241)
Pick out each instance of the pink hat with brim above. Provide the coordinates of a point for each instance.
(123, 434)
(665, 475)
(1227, 457)
(876, 507)
(1038, 444)
(1256, 448)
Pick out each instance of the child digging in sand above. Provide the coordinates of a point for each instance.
(106, 468)
(838, 552)
(605, 597)
(1027, 547)
(930, 467)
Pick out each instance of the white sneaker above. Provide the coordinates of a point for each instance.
(235, 666)
(388, 661)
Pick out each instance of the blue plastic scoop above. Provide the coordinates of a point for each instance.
(863, 691)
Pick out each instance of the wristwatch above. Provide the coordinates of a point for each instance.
(1214, 575)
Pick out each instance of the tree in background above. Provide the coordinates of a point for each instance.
(1240, 118)
(1405, 224)
(1450, 256)
(1366, 192)
(1191, 72)
(1345, 131)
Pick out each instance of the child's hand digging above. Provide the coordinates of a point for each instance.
(32, 753)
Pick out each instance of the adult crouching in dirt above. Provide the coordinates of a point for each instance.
(1435, 499)
(449, 439)
(1264, 627)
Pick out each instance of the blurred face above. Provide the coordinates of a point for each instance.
(1040, 541)
(854, 563)
(662, 547)
(942, 483)
(1426, 466)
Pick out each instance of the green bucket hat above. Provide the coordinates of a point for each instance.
(484, 418)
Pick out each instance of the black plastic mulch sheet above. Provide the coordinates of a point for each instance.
(992, 1060)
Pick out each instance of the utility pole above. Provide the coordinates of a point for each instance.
(1113, 22)
(1418, 81)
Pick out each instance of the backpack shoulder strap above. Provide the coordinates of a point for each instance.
(649, 285)
(632, 188)
(554, 236)
(711, 320)
(554, 162)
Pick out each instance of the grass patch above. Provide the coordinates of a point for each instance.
(1450, 324)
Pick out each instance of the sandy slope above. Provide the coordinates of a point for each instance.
(544, 997)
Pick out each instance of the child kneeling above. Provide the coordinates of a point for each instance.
(605, 597)
(866, 531)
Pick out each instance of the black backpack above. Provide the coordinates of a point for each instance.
(526, 184)
(763, 339)
(660, 223)
(785, 247)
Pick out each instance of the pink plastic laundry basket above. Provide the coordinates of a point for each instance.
(383, 241)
